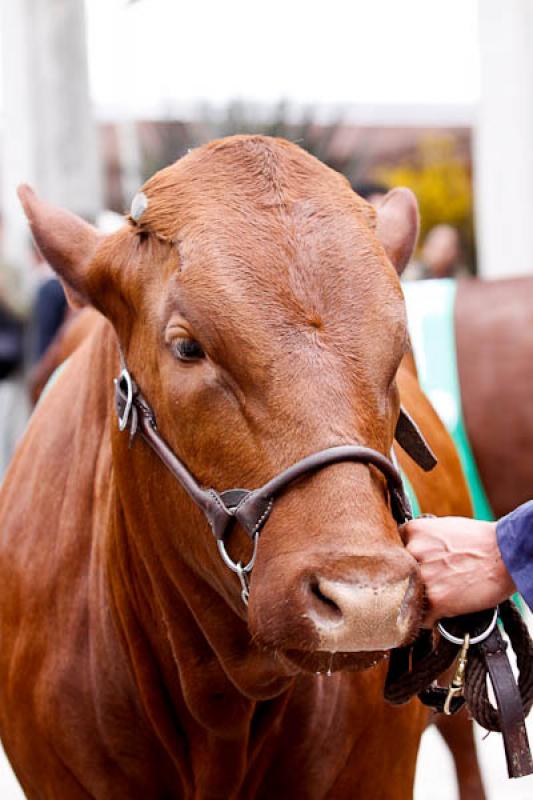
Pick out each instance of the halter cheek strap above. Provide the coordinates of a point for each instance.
(411, 439)
(251, 507)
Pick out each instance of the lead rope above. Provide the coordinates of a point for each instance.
(412, 669)
(482, 653)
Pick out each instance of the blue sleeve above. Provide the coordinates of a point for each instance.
(515, 540)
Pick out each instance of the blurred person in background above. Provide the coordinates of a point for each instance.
(11, 342)
(49, 310)
(32, 309)
(16, 297)
(371, 191)
(441, 255)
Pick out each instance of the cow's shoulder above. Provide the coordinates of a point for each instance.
(55, 615)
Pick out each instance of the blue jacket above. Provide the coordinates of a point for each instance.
(515, 539)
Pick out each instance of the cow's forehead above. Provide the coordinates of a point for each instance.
(247, 175)
(265, 229)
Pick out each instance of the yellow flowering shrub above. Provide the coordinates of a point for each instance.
(442, 182)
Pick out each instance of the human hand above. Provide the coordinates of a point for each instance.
(461, 565)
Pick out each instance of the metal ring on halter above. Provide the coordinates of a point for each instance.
(474, 639)
(238, 568)
(124, 418)
(242, 570)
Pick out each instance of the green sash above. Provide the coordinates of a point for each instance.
(430, 310)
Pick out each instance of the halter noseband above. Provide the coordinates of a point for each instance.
(251, 508)
(411, 668)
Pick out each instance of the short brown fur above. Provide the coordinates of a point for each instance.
(128, 665)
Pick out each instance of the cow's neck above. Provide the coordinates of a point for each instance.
(223, 709)
(186, 637)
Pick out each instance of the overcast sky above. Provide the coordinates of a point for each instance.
(156, 55)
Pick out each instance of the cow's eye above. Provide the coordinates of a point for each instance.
(187, 349)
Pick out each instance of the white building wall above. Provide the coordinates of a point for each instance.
(48, 136)
(503, 144)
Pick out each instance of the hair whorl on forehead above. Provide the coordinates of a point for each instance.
(246, 172)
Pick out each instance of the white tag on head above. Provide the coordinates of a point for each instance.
(139, 204)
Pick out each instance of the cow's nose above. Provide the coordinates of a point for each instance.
(356, 616)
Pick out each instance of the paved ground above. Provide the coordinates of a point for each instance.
(435, 776)
(9, 788)
(435, 779)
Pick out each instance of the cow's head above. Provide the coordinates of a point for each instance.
(257, 302)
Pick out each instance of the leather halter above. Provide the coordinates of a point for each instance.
(251, 508)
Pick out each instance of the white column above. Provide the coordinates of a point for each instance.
(49, 135)
(503, 151)
(130, 159)
(17, 156)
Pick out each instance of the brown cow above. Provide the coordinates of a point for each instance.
(256, 306)
(494, 336)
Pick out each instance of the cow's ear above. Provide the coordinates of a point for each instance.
(66, 241)
(397, 227)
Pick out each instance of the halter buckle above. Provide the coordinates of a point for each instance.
(124, 381)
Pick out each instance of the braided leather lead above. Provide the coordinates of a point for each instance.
(409, 675)
(475, 691)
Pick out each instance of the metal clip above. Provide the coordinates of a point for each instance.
(242, 570)
(458, 680)
(245, 587)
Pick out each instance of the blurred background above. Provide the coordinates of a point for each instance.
(99, 94)
(436, 95)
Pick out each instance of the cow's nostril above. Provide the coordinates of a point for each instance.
(323, 605)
